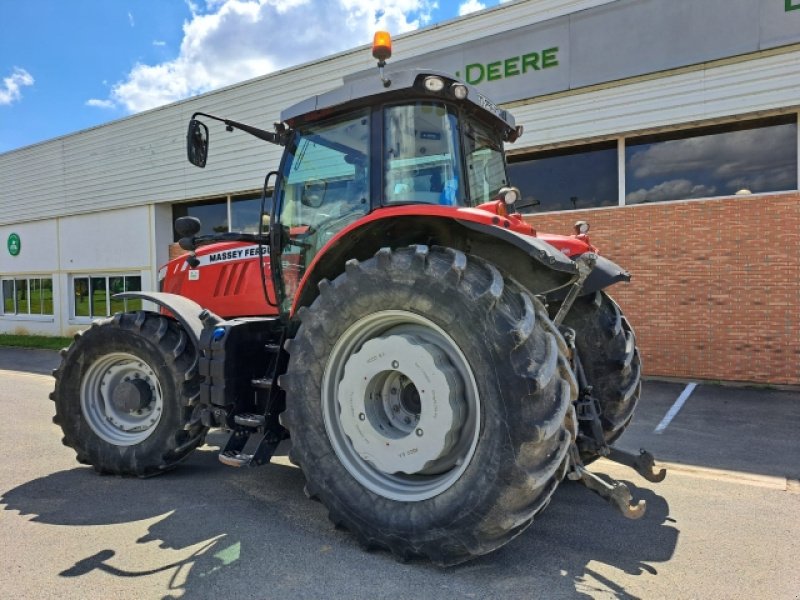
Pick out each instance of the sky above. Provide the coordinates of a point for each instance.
(67, 65)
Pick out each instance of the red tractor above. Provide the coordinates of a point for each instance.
(438, 365)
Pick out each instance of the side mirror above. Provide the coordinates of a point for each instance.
(197, 143)
(187, 226)
(313, 193)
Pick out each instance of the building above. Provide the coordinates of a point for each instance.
(672, 127)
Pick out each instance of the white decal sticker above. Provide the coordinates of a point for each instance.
(233, 254)
(194, 274)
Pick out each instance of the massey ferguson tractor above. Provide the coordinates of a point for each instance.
(436, 364)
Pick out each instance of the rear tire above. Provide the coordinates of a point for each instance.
(124, 392)
(435, 347)
(607, 348)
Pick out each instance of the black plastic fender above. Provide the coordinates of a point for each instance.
(605, 273)
(187, 312)
(535, 248)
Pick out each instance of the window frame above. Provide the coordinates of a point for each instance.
(623, 142)
(107, 276)
(28, 315)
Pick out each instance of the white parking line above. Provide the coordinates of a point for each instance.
(675, 408)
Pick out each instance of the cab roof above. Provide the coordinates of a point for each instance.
(407, 84)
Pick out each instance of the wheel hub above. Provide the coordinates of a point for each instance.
(132, 395)
(121, 398)
(401, 405)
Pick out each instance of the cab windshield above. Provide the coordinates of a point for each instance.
(324, 187)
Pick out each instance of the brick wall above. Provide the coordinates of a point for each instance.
(715, 292)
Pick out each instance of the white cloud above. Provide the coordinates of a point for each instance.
(131, 20)
(470, 6)
(159, 43)
(675, 189)
(234, 40)
(10, 90)
(100, 103)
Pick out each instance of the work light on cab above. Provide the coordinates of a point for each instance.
(434, 84)
(459, 91)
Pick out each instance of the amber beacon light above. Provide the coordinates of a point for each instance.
(382, 46)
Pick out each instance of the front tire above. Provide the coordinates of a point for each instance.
(124, 392)
(429, 403)
(606, 345)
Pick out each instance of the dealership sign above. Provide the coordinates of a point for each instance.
(610, 42)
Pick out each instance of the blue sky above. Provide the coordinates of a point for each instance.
(70, 65)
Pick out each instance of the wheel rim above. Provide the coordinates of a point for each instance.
(121, 399)
(401, 406)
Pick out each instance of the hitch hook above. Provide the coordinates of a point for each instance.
(616, 492)
(643, 463)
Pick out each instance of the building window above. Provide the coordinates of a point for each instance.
(567, 179)
(245, 211)
(27, 296)
(92, 295)
(213, 214)
(722, 160)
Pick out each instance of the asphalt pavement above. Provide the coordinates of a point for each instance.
(724, 523)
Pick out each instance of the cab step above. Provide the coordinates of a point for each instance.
(262, 384)
(232, 458)
(249, 420)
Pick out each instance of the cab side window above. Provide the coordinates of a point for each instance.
(421, 157)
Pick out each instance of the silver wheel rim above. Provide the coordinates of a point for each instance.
(401, 406)
(108, 420)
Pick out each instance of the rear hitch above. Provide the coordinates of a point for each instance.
(643, 463)
(615, 492)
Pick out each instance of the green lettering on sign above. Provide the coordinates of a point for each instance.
(474, 73)
(549, 58)
(493, 71)
(14, 244)
(512, 66)
(792, 5)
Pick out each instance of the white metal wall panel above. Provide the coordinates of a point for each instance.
(38, 252)
(140, 159)
(114, 240)
(752, 86)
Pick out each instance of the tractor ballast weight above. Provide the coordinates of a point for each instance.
(438, 364)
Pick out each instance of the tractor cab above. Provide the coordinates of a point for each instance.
(419, 138)
(378, 144)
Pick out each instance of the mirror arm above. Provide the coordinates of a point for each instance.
(268, 136)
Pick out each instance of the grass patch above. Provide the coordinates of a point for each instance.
(34, 341)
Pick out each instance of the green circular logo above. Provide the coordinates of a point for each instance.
(14, 244)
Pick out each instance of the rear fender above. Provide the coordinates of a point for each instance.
(538, 266)
(605, 273)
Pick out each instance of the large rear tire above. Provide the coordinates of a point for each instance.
(606, 345)
(124, 392)
(430, 403)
